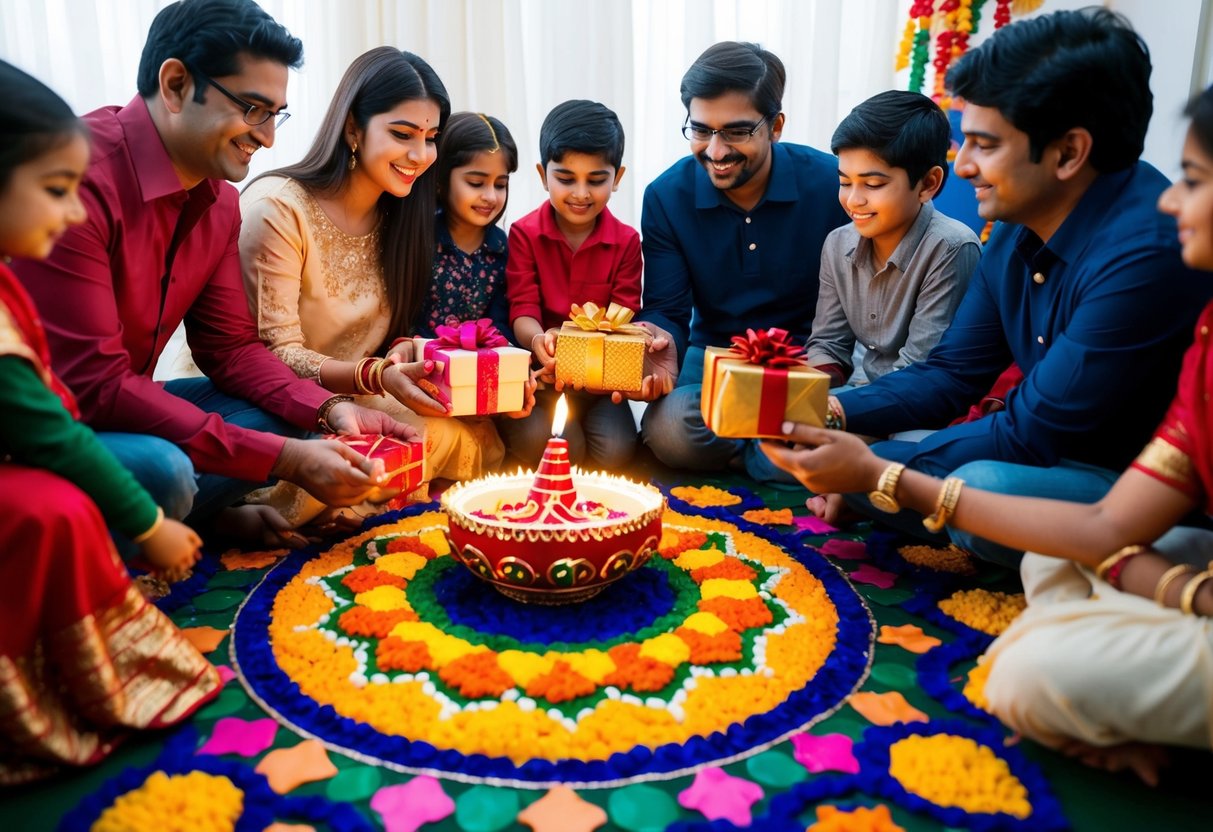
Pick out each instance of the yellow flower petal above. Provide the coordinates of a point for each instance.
(698, 559)
(401, 564)
(382, 599)
(726, 588)
(706, 623)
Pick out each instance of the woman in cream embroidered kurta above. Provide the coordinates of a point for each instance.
(318, 293)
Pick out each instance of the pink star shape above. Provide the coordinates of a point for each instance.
(814, 525)
(717, 794)
(232, 735)
(409, 806)
(845, 549)
(868, 574)
(828, 752)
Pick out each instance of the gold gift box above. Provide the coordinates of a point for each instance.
(600, 361)
(732, 398)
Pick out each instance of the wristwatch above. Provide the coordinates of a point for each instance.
(322, 413)
(886, 487)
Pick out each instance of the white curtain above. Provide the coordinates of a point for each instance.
(514, 59)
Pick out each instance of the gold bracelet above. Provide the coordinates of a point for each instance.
(1167, 578)
(1188, 597)
(945, 506)
(155, 527)
(359, 369)
(885, 495)
(377, 387)
(322, 412)
(1106, 565)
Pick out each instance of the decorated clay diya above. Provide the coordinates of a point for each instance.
(554, 536)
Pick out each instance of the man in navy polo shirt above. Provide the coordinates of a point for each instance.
(1081, 284)
(732, 234)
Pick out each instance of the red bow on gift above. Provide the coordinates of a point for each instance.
(471, 335)
(768, 348)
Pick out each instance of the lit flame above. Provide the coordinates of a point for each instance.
(562, 414)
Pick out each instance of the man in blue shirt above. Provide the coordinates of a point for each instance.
(1081, 283)
(732, 234)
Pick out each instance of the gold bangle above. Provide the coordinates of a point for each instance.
(1105, 565)
(377, 376)
(1167, 578)
(1188, 597)
(885, 495)
(360, 368)
(945, 506)
(322, 412)
(152, 529)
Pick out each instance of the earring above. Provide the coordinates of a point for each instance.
(353, 158)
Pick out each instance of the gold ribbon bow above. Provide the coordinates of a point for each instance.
(592, 317)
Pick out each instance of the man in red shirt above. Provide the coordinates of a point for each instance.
(159, 247)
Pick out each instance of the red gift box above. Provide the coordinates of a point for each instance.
(403, 461)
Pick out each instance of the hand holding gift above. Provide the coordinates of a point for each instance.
(751, 388)
(476, 369)
(397, 470)
(601, 351)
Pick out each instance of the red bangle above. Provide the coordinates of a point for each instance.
(1114, 564)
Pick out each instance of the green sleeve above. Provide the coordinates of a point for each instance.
(37, 431)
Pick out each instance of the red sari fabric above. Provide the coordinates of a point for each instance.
(1181, 452)
(83, 656)
(21, 333)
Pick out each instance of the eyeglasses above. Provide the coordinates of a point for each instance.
(730, 135)
(254, 114)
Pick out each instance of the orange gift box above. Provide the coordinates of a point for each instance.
(750, 389)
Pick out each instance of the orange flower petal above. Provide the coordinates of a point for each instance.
(561, 810)
(885, 708)
(235, 559)
(205, 639)
(289, 768)
(780, 517)
(910, 637)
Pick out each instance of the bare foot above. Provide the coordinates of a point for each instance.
(832, 509)
(259, 526)
(1145, 760)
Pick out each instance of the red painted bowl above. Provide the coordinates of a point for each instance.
(553, 564)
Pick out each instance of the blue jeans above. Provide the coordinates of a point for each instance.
(1072, 481)
(673, 428)
(166, 471)
(597, 429)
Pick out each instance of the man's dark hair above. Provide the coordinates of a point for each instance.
(1084, 68)
(581, 127)
(209, 36)
(733, 66)
(905, 129)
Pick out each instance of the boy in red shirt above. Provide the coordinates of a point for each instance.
(572, 250)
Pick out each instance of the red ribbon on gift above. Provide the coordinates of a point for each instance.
(770, 349)
(482, 338)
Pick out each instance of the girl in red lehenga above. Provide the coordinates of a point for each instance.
(82, 655)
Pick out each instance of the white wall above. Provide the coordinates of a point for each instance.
(518, 58)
